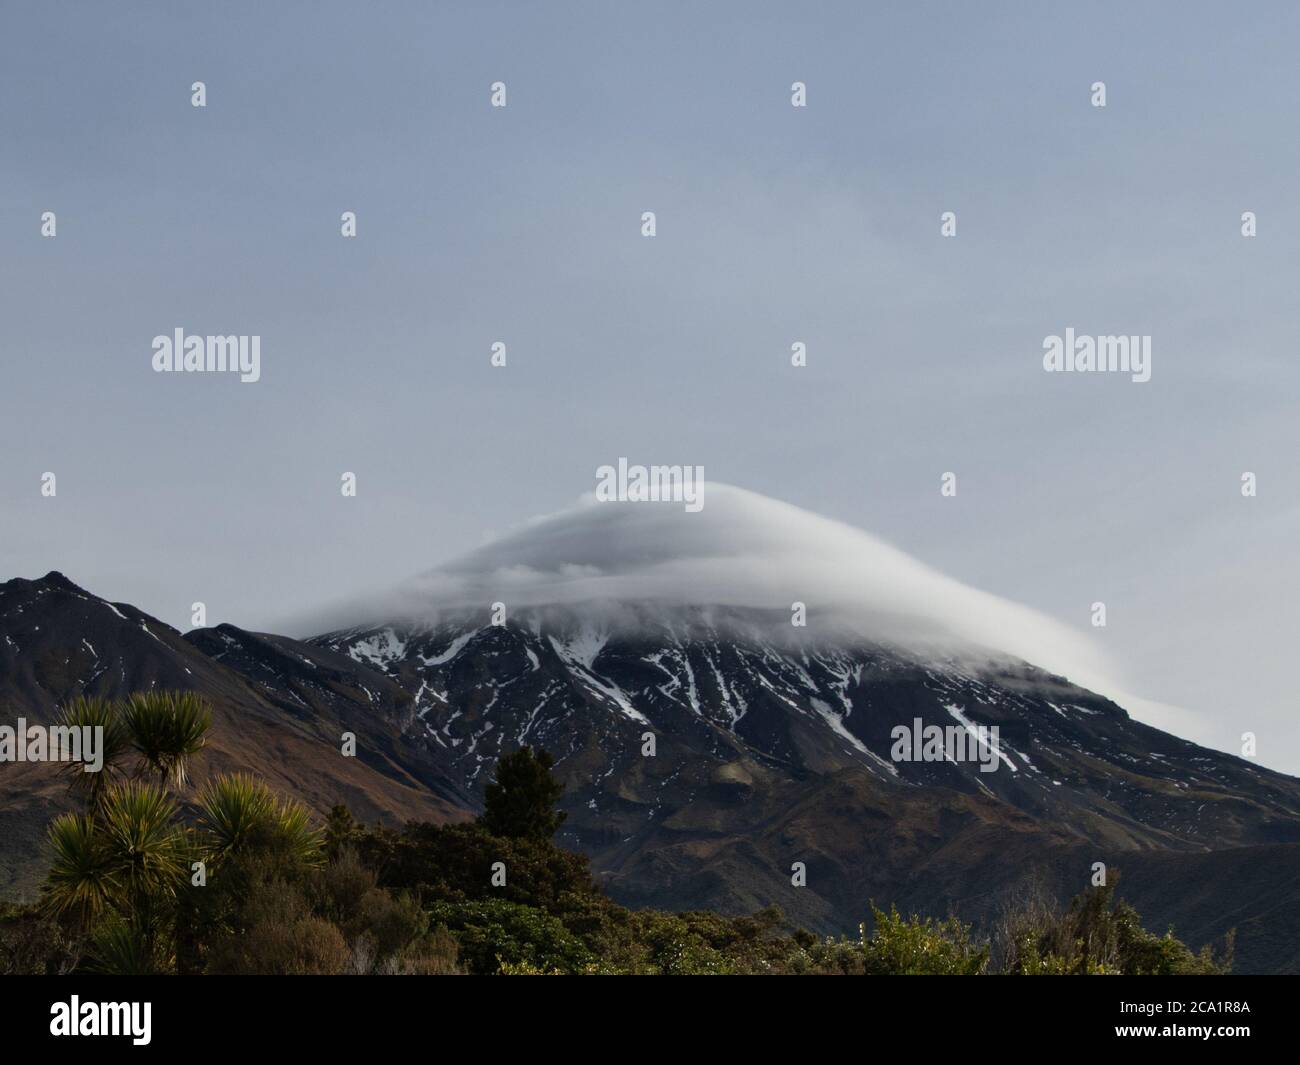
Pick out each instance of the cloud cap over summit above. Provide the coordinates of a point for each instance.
(745, 550)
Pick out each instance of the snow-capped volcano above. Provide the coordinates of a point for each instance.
(706, 743)
(706, 739)
(631, 564)
(756, 632)
(713, 685)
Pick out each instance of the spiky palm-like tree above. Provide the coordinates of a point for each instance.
(115, 743)
(147, 848)
(133, 849)
(124, 947)
(295, 837)
(168, 729)
(81, 881)
(120, 870)
(238, 813)
(235, 811)
(117, 874)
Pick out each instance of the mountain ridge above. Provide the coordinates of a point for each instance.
(58, 641)
(766, 754)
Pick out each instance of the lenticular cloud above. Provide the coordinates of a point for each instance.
(746, 550)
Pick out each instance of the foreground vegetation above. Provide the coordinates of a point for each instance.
(233, 879)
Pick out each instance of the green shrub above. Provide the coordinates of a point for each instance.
(920, 947)
(1097, 935)
(496, 932)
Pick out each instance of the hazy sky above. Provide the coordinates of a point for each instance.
(775, 224)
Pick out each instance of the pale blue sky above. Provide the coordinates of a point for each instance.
(775, 225)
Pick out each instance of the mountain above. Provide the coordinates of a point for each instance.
(280, 708)
(771, 753)
(708, 741)
(726, 704)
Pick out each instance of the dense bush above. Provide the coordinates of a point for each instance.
(279, 896)
(493, 932)
(920, 947)
(1097, 935)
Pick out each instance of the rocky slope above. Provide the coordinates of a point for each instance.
(770, 753)
(709, 747)
(279, 713)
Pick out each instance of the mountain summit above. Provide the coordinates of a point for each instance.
(715, 752)
(742, 549)
(708, 741)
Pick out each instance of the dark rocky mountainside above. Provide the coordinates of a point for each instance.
(776, 751)
(768, 751)
(58, 641)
